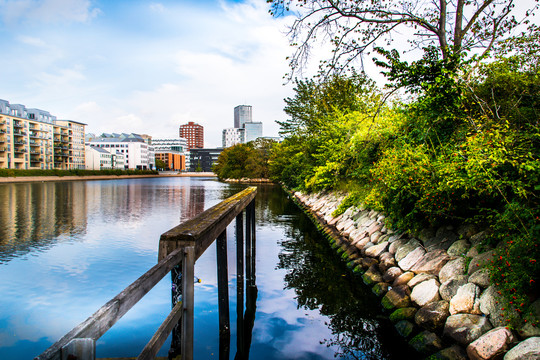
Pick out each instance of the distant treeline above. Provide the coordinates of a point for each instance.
(73, 172)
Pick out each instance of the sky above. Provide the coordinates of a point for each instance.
(150, 66)
(145, 67)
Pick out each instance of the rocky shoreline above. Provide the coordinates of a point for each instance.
(435, 287)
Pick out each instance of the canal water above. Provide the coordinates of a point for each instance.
(66, 248)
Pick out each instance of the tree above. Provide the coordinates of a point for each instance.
(354, 26)
(160, 164)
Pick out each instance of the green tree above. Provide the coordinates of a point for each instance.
(160, 164)
(454, 27)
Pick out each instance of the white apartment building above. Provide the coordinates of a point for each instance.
(137, 153)
(232, 136)
(97, 158)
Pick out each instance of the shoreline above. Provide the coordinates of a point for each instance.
(19, 179)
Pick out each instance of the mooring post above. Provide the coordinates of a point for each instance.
(188, 275)
(251, 210)
(223, 294)
(176, 296)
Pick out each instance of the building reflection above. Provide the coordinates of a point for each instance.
(33, 215)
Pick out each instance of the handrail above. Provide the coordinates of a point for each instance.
(197, 233)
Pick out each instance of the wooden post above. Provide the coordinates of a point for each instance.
(176, 297)
(82, 349)
(188, 275)
(248, 243)
(239, 285)
(251, 210)
(223, 295)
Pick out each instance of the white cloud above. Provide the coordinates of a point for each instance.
(32, 41)
(47, 11)
(157, 7)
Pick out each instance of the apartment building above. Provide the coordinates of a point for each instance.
(35, 139)
(137, 152)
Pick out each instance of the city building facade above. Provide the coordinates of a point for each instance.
(203, 159)
(242, 114)
(253, 131)
(194, 134)
(35, 139)
(98, 158)
(138, 154)
(178, 145)
(174, 160)
(232, 136)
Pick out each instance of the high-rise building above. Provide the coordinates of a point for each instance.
(194, 133)
(242, 114)
(34, 139)
(232, 136)
(253, 130)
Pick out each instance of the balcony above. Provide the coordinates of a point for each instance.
(3, 148)
(36, 159)
(19, 133)
(19, 142)
(2, 131)
(18, 125)
(20, 150)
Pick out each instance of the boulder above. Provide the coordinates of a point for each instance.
(376, 237)
(411, 259)
(407, 313)
(491, 345)
(466, 300)
(420, 278)
(376, 250)
(444, 237)
(455, 352)
(478, 238)
(465, 231)
(525, 350)
(449, 289)
(480, 278)
(391, 274)
(489, 305)
(432, 316)
(404, 328)
(395, 245)
(452, 269)
(431, 262)
(397, 297)
(480, 261)
(426, 234)
(372, 276)
(403, 279)
(459, 248)
(406, 248)
(374, 227)
(380, 289)
(361, 244)
(465, 328)
(426, 342)
(527, 330)
(368, 262)
(426, 292)
(386, 261)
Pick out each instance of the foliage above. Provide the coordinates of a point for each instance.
(73, 172)
(354, 27)
(160, 164)
(244, 160)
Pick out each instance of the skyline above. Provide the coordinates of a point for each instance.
(145, 67)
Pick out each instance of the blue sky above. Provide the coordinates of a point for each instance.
(145, 66)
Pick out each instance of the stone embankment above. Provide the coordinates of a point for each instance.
(435, 286)
(249, 181)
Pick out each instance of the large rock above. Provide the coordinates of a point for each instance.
(407, 313)
(480, 278)
(426, 292)
(380, 289)
(404, 328)
(442, 239)
(466, 300)
(372, 276)
(432, 316)
(386, 261)
(403, 279)
(455, 352)
(426, 342)
(391, 274)
(527, 330)
(465, 328)
(431, 262)
(491, 345)
(452, 269)
(411, 259)
(478, 238)
(405, 249)
(396, 245)
(525, 350)
(459, 248)
(376, 237)
(397, 297)
(377, 250)
(489, 305)
(420, 278)
(480, 261)
(449, 289)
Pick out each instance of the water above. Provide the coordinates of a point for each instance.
(66, 248)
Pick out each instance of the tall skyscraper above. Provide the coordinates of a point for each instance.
(242, 115)
(194, 133)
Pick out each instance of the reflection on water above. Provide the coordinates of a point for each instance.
(66, 248)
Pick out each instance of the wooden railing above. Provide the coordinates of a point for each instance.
(179, 248)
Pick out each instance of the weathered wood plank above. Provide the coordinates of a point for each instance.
(205, 228)
(188, 298)
(103, 319)
(152, 348)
